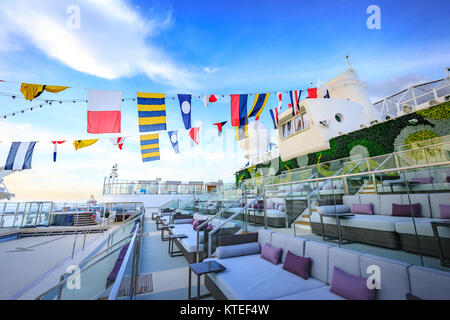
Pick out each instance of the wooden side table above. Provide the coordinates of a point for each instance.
(200, 269)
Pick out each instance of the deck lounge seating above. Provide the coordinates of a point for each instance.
(189, 245)
(385, 230)
(250, 277)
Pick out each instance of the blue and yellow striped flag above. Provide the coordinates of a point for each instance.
(151, 111)
(150, 147)
(258, 105)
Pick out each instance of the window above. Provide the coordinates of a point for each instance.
(298, 124)
(287, 129)
(305, 120)
(339, 117)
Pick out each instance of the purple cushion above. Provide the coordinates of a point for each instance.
(445, 211)
(260, 206)
(197, 223)
(404, 210)
(271, 254)
(209, 227)
(349, 286)
(192, 221)
(426, 180)
(447, 179)
(297, 265)
(330, 187)
(366, 208)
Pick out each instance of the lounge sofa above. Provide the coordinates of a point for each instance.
(189, 245)
(249, 277)
(383, 229)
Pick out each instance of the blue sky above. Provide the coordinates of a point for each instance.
(192, 47)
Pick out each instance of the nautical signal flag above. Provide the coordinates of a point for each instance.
(194, 134)
(173, 137)
(151, 111)
(220, 127)
(150, 147)
(118, 142)
(207, 98)
(78, 144)
(312, 93)
(31, 91)
(295, 98)
(239, 109)
(103, 111)
(55, 148)
(274, 115)
(280, 100)
(258, 105)
(185, 106)
(327, 94)
(20, 155)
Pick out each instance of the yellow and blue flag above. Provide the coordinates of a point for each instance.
(150, 147)
(258, 105)
(151, 111)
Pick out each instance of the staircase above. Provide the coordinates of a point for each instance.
(302, 222)
(368, 188)
(83, 219)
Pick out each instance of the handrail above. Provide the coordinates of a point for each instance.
(300, 185)
(427, 165)
(230, 218)
(115, 289)
(208, 220)
(324, 183)
(384, 161)
(60, 283)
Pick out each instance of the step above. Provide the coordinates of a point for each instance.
(363, 192)
(305, 223)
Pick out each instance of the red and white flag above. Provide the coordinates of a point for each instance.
(194, 134)
(117, 142)
(207, 98)
(280, 100)
(104, 111)
(55, 148)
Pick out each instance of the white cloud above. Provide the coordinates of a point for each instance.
(112, 42)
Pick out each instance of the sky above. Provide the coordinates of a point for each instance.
(196, 47)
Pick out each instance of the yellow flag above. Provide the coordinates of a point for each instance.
(83, 143)
(55, 89)
(31, 91)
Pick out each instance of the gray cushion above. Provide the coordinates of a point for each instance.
(322, 293)
(264, 236)
(394, 279)
(345, 260)
(286, 242)
(374, 199)
(339, 208)
(423, 227)
(349, 200)
(238, 250)
(386, 202)
(435, 200)
(429, 284)
(318, 252)
(373, 222)
(253, 278)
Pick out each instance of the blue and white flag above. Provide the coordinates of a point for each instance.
(20, 155)
(295, 98)
(185, 106)
(173, 137)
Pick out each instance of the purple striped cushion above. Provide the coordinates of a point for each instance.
(445, 211)
(366, 208)
(350, 287)
(271, 254)
(297, 265)
(404, 210)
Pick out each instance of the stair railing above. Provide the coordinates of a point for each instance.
(210, 234)
(211, 218)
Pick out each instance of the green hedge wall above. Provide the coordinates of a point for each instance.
(379, 139)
